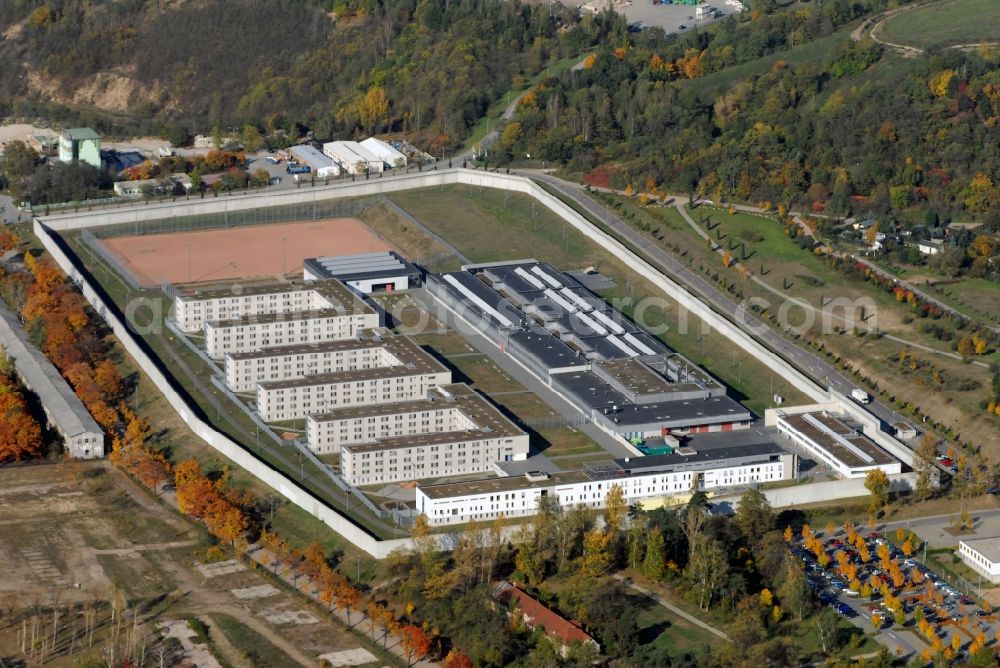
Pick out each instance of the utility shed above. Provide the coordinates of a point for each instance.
(65, 413)
(353, 157)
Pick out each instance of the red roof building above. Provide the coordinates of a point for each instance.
(558, 629)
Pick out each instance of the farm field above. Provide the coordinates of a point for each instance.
(944, 23)
(490, 225)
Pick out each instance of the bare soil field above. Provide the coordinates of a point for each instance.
(80, 538)
(240, 252)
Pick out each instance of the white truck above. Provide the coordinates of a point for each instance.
(860, 396)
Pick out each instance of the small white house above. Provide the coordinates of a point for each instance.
(322, 165)
(983, 556)
(353, 157)
(389, 155)
(930, 246)
(136, 189)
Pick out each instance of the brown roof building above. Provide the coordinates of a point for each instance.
(558, 629)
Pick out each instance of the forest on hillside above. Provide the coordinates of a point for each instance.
(852, 130)
(426, 67)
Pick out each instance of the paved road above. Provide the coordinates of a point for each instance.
(8, 212)
(671, 607)
(807, 362)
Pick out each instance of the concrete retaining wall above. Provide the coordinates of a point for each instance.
(230, 449)
(816, 492)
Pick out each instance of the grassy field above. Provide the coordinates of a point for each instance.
(257, 651)
(945, 23)
(978, 297)
(812, 53)
(778, 261)
(489, 225)
(412, 242)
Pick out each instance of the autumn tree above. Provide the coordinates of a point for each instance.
(877, 484)
(925, 464)
(373, 109)
(754, 515)
(251, 138)
(20, 433)
(707, 569)
(456, 659)
(654, 563)
(415, 643)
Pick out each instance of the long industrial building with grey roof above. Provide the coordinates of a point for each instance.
(621, 377)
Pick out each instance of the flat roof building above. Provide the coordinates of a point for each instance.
(254, 332)
(66, 414)
(649, 481)
(352, 157)
(194, 307)
(323, 166)
(625, 380)
(982, 555)
(366, 273)
(416, 373)
(245, 370)
(388, 154)
(835, 443)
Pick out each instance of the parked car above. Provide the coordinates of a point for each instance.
(271, 159)
(982, 613)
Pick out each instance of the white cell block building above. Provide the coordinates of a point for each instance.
(648, 481)
(448, 408)
(455, 431)
(323, 166)
(352, 157)
(194, 308)
(835, 443)
(408, 374)
(245, 370)
(384, 151)
(435, 455)
(295, 399)
(284, 329)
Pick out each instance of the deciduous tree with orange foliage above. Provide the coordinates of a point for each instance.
(416, 644)
(20, 433)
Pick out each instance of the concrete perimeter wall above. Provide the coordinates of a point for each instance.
(832, 490)
(285, 486)
(274, 479)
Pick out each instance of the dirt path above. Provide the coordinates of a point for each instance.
(195, 594)
(671, 607)
(873, 25)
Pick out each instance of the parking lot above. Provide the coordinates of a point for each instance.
(911, 604)
(672, 18)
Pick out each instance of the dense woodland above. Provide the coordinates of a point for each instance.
(863, 130)
(426, 67)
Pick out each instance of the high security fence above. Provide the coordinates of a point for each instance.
(317, 209)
